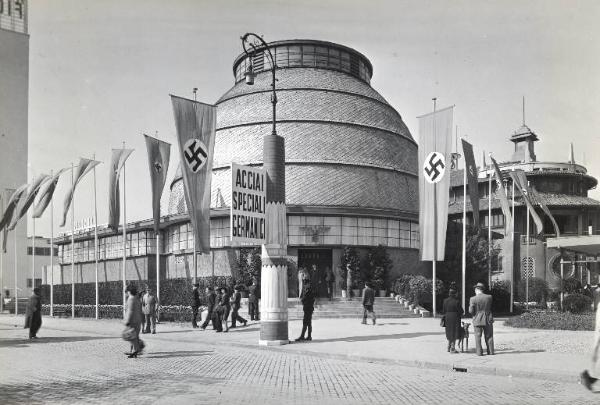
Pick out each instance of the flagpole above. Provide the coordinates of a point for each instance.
(490, 229)
(96, 238)
(16, 283)
(464, 238)
(32, 246)
(73, 243)
(124, 237)
(434, 264)
(4, 235)
(512, 266)
(51, 255)
(527, 260)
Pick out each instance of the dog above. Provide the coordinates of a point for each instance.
(464, 336)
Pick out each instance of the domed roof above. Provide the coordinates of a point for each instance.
(345, 145)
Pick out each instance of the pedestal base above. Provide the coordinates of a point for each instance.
(273, 342)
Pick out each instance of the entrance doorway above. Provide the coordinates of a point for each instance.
(316, 262)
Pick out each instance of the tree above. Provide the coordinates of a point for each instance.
(350, 258)
(477, 256)
(248, 266)
(377, 266)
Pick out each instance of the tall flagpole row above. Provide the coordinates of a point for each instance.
(490, 229)
(16, 274)
(512, 266)
(4, 235)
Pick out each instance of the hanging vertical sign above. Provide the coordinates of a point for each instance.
(248, 200)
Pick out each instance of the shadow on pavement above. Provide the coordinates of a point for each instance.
(182, 353)
(41, 340)
(378, 337)
(513, 351)
(160, 332)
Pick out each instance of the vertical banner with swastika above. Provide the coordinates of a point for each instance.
(196, 126)
(435, 135)
(158, 162)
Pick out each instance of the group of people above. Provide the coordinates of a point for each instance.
(480, 306)
(221, 303)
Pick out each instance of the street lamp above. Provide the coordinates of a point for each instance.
(274, 312)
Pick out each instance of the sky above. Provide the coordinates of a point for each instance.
(101, 74)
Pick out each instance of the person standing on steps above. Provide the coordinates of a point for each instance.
(195, 304)
(329, 279)
(307, 297)
(368, 302)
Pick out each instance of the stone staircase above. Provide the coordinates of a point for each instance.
(385, 307)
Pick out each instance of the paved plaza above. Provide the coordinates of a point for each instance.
(396, 361)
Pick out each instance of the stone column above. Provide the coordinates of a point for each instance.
(274, 285)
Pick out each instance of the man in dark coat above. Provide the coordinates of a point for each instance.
(307, 297)
(225, 305)
(236, 303)
(368, 301)
(480, 306)
(195, 304)
(33, 316)
(253, 301)
(211, 299)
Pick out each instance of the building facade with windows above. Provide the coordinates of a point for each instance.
(562, 186)
(14, 99)
(350, 166)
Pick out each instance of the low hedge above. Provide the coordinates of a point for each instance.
(577, 303)
(171, 313)
(552, 320)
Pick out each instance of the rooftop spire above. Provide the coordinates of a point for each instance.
(572, 157)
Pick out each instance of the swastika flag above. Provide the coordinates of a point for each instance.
(158, 163)
(196, 126)
(435, 134)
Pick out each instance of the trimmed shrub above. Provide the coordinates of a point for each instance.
(538, 290)
(577, 303)
(572, 286)
(538, 319)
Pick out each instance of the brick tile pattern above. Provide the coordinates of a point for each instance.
(83, 367)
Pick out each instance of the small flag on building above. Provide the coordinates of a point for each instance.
(501, 194)
(536, 197)
(435, 134)
(84, 167)
(158, 163)
(472, 175)
(196, 126)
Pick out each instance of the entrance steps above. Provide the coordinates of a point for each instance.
(385, 307)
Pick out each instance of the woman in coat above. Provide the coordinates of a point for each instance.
(452, 310)
(226, 306)
(33, 316)
(133, 319)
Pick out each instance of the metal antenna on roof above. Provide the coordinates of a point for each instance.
(523, 110)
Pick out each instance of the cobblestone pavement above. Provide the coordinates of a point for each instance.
(84, 367)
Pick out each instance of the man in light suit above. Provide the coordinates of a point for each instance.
(480, 306)
(149, 307)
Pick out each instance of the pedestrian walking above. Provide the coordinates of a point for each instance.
(133, 321)
(211, 299)
(586, 378)
(150, 306)
(33, 316)
(307, 297)
(236, 303)
(368, 302)
(253, 301)
(195, 304)
(218, 311)
(225, 307)
(480, 306)
(452, 310)
(330, 280)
